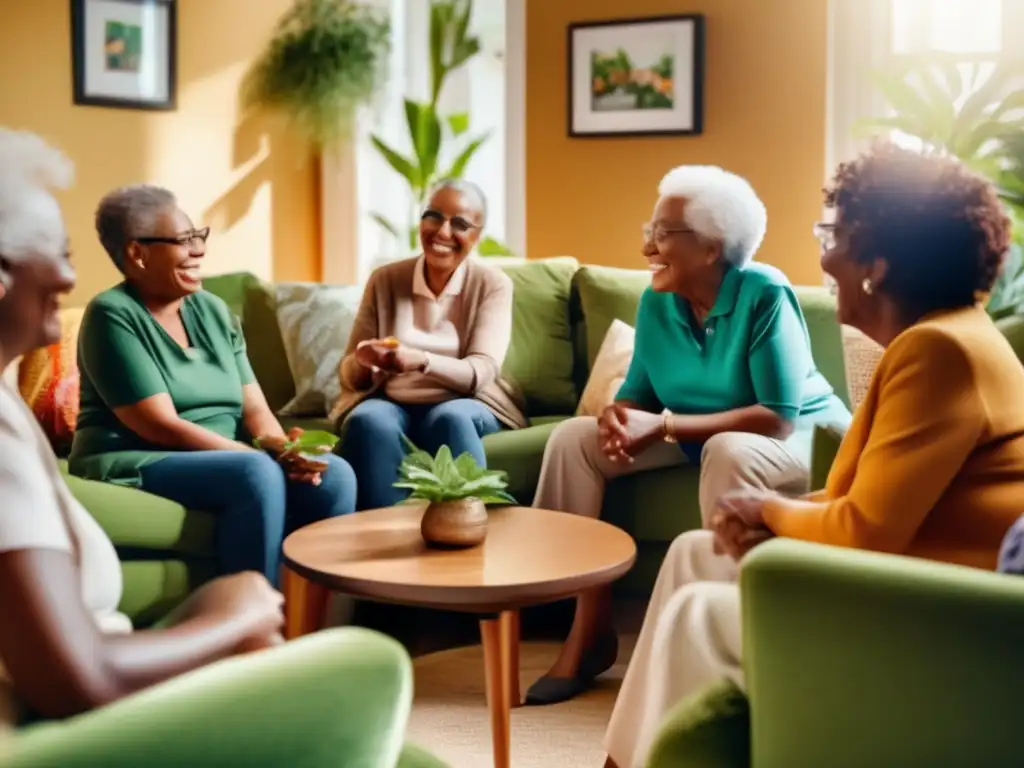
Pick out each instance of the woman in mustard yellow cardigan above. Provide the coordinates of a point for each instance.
(933, 463)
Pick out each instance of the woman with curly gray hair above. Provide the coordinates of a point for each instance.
(721, 376)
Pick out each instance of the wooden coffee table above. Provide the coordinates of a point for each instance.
(531, 556)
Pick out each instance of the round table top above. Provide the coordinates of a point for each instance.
(530, 556)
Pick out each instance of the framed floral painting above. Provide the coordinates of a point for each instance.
(637, 77)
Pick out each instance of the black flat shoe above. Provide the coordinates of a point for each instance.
(596, 661)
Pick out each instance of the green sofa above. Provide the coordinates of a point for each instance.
(562, 312)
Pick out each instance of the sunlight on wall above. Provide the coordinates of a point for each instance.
(251, 181)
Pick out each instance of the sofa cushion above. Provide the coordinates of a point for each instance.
(255, 304)
(316, 322)
(540, 358)
(607, 294)
(136, 520)
(519, 452)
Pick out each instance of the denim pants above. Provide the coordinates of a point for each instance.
(372, 441)
(255, 505)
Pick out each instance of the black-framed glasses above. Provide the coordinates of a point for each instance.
(660, 232)
(436, 219)
(194, 240)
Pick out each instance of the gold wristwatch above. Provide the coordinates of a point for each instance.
(667, 424)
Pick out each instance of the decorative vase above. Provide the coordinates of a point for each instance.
(455, 524)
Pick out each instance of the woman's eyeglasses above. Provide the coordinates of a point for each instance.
(435, 220)
(194, 240)
(826, 234)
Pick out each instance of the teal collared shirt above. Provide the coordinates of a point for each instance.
(753, 349)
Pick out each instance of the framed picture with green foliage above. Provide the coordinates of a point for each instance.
(636, 77)
(124, 53)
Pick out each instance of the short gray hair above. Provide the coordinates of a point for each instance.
(30, 217)
(129, 213)
(721, 207)
(466, 188)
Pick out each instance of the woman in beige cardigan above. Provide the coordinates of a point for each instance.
(424, 359)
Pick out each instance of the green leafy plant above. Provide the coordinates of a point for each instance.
(981, 124)
(430, 134)
(326, 58)
(312, 443)
(446, 478)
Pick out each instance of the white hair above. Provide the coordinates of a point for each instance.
(720, 207)
(30, 217)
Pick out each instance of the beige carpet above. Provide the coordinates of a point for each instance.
(450, 712)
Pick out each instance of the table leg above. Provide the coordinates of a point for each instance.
(510, 628)
(305, 604)
(497, 636)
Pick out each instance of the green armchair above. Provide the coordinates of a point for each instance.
(336, 698)
(858, 659)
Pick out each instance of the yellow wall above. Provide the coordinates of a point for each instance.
(255, 186)
(764, 118)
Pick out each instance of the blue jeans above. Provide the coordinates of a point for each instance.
(255, 504)
(372, 441)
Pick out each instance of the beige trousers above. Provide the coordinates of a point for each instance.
(575, 470)
(689, 640)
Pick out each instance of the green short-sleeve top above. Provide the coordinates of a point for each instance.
(125, 356)
(753, 349)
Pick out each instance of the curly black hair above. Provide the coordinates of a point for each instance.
(941, 228)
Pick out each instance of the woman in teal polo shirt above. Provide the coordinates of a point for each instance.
(721, 375)
(169, 402)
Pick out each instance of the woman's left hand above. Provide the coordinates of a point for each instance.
(298, 467)
(739, 524)
(640, 430)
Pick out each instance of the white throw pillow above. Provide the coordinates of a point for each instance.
(609, 369)
(316, 321)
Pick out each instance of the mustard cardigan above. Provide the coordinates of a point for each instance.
(933, 463)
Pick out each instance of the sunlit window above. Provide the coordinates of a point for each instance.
(965, 33)
(968, 27)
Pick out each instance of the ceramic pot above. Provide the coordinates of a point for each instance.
(461, 523)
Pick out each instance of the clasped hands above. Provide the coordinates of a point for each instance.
(297, 466)
(738, 523)
(624, 433)
(389, 355)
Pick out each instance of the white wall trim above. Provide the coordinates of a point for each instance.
(515, 126)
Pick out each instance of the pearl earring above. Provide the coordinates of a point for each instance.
(867, 287)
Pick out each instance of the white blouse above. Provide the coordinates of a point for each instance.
(37, 511)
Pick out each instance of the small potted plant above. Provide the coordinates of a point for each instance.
(458, 491)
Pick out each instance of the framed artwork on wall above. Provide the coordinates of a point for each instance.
(124, 53)
(636, 77)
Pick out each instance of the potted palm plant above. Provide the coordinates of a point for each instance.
(457, 490)
(325, 59)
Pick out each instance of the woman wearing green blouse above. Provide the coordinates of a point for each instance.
(169, 402)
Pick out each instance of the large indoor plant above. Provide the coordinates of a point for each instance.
(979, 121)
(325, 59)
(458, 491)
(441, 145)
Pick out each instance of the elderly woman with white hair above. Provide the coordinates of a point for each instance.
(721, 375)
